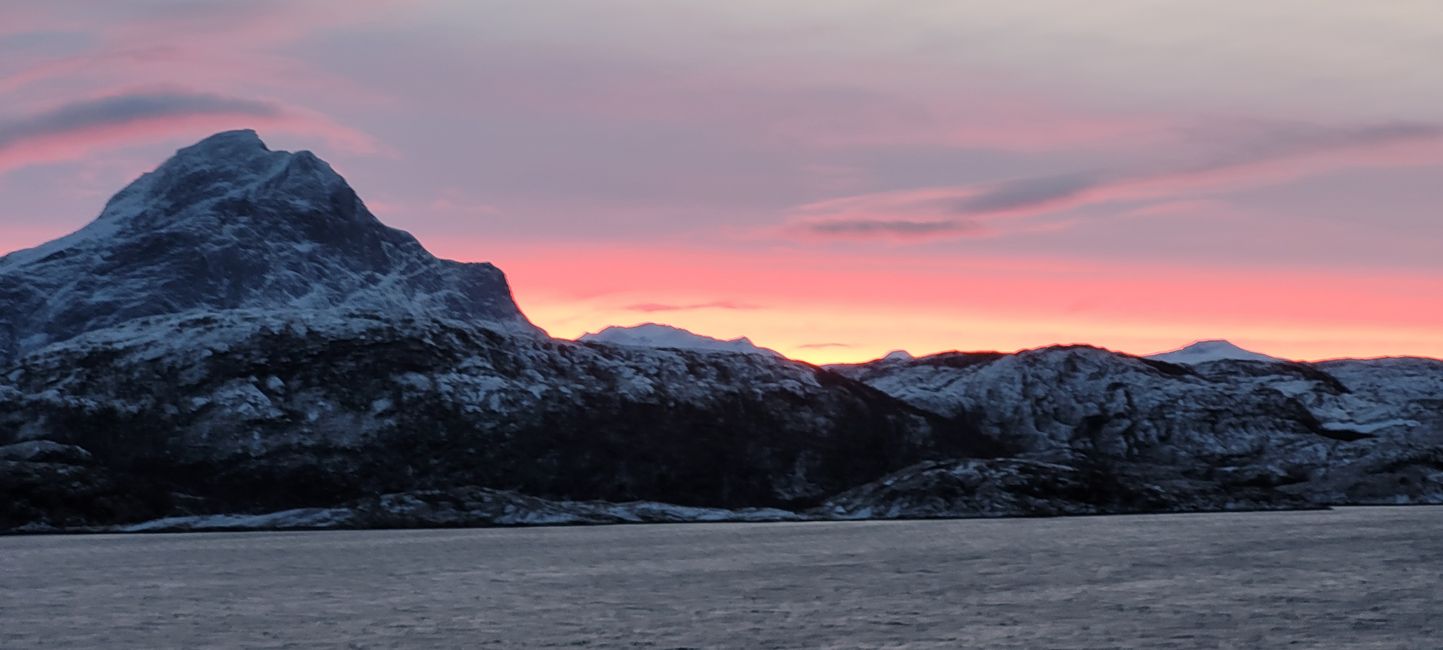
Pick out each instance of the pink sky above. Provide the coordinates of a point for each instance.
(831, 179)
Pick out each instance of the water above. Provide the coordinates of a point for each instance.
(1358, 577)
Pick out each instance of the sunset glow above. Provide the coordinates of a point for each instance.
(807, 305)
(831, 180)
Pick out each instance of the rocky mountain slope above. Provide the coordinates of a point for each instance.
(1351, 431)
(237, 334)
(228, 224)
(237, 342)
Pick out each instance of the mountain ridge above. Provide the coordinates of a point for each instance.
(1209, 350)
(237, 335)
(228, 224)
(657, 335)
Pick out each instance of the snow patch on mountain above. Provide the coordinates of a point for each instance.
(1209, 351)
(240, 326)
(654, 335)
(228, 224)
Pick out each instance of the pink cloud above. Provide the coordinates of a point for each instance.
(75, 130)
(823, 346)
(234, 46)
(68, 66)
(949, 212)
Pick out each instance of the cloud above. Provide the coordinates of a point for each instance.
(1259, 153)
(221, 44)
(1028, 192)
(894, 227)
(76, 129)
(1266, 146)
(651, 307)
(68, 67)
(125, 110)
(823, 346)
(245, 23)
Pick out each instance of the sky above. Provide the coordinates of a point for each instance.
(832, 178)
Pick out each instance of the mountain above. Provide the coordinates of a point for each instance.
(850, 369)
(225, 225)
(1147, 435)
(897, 355)
(237, 342)
(236, 334)
(1209, 351)
(653, 335)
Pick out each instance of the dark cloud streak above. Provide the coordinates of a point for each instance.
(1262, 144)
(124, 110)
(1265, 143)
(823, 346)
(895, 227)
(1027, 192)
(651, 307)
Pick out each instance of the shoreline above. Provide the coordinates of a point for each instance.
(801, 518)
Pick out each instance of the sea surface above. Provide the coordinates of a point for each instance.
(1347, 578)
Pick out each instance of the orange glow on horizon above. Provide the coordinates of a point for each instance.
(827, 307)
(834, 308)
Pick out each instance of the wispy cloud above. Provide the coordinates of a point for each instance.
(1266, 153)
(651, 307)
(67, 67)
(823, 346)
(885, 226)
(72, 130)
(121, 111)
(221, 45)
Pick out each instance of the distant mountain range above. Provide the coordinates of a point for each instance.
(1209, 351)
(653, 335)
(237, 342)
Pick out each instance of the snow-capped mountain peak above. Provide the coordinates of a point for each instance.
(232, 168)
(228, 224)
(1212, 350)
(655, 335)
